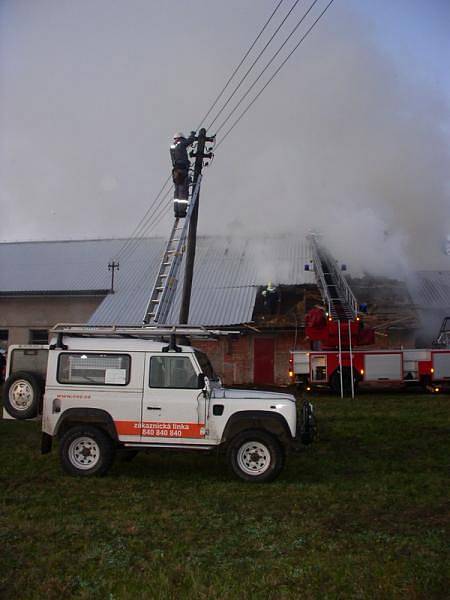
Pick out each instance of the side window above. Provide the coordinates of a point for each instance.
(172, 372)
(97, 369)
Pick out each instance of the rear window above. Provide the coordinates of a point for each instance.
(92, 368)
(33, 360)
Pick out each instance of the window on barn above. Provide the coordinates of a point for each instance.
(38, 336)
(4, 334)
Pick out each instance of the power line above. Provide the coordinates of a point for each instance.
(156, 217)
(139, 240)
(139, 226)
(239, 65)
(300, 21)
(166, 208)
(275, 73)
(149, 225)
(253, 64)
(142, 227)
(148, 222)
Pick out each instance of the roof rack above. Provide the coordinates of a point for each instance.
(144, 331)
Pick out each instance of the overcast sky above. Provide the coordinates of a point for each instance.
(351, 138)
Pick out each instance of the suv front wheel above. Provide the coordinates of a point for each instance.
(255, 456)
(85, 450)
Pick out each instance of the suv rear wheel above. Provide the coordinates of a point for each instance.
(85, 450)
(255, 456)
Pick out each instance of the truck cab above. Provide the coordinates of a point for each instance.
(97, 394)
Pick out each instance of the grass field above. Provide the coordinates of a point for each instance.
(364, 513)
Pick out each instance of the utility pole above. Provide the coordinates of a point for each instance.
(192, 235)
(112, 266)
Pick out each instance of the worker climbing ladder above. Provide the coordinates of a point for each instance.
(342, 306)
(165, 285)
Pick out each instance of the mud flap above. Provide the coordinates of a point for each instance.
(307, 428)
(46, 443)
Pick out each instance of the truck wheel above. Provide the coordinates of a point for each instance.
(85, 450)
(255, 456)
(22, 395)
(335, 382)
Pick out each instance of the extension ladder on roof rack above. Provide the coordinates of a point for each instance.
(145, 331)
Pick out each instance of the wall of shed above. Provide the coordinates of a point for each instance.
(19, 315)
(233, 359)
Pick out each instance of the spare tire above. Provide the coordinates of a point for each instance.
(22, 395)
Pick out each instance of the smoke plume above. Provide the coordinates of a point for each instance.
(344, 141)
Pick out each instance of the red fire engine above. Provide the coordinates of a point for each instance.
(333, 362)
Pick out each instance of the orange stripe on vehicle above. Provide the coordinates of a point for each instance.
(128, 427)
(160, 429)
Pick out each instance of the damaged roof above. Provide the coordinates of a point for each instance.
(431, 289)
(228, 272)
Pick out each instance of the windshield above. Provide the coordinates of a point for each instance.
(205, 365)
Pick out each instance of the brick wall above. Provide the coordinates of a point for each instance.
(233, 359)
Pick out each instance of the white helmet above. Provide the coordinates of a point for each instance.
(178, 135)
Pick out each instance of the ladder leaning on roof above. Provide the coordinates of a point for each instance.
(340, 301)
(165, 286)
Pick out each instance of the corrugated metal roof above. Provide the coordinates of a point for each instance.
(56, 266)
(430, 289)
(227, 273)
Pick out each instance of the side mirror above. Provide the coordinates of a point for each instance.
(201, 381)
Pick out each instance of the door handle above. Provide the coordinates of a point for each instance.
(153, 408)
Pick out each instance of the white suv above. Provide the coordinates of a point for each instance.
(98, 394)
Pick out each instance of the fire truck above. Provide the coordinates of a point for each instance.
(341, 366)
(339, 359)
(343, 372)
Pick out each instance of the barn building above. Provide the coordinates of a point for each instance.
(44, 283)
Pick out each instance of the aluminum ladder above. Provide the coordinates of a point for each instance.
(166, 281)
(137, 331)
(336, 293)
(341, 303)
